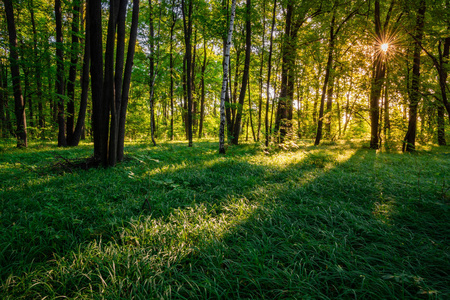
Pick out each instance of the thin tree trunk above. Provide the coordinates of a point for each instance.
(245, 77)
(72, 73)
(226, 61)
(261, 71)
(328, 71)
(79, 127)
(2, 104)
(269, 69)
(187, 25)
(250, 114)
(202, 97)
(441, 125)
(378, 68)
(410, 138)
(21, 131)
(171, 70)
(37, 68)
(127, 79)
(60, 76)
(152, 75)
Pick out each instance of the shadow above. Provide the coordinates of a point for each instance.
(312, 223)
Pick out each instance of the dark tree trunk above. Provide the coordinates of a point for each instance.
(3, 103)
(269, 69)
(127, 79)
(283, 120)
(187, 25)
(62, 142)
(37, 69)
(202, 97)
(378, 68)
(152, 74)
(410, 138)
(171, 70)
(261, 72)
(78, 131)
(248, 45)
(441, 125)
(116, 102)
(328, 71)
(98, 107)
(72, 73)
(19, 107)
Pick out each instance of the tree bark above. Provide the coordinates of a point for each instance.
(171, 70)
(62, 142)
(37, 68)
(79, 127)
(127, 79)
(202, 97)
(226, 61)
(248, 45)
(328, 71)
(72, 73)
(19, 105)
(410, 137)
(269, 69)
(187, 25)
(261, 72)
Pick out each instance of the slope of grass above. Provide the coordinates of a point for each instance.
(336, 221)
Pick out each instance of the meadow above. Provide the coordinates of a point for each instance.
(337, 221)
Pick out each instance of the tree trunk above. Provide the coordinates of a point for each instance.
(410, 137)
(202, 97)
(248, 44)
(3, 102)
(62, 142)
(127, 79)
(328, 71)
(79, 127)
(226, 61)
(441, 125)
(37, 68)
(19, 107)
(261, 71)
(377, 80)
(269, 69)
(171, 70)
(72, 73)
(187, 25)
(152, 75)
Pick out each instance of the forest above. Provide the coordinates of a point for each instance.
(193, 149)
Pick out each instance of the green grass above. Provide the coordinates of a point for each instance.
(328, 222)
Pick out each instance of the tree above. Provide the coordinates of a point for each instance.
(187, 25)
(329, 76)
(19, 105)
(378, 71)
(110, 89)
(410, 137)
(269, 69)
(226, 62)
(245, 77)
(296, 15)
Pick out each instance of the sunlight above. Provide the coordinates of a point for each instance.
(385, 47)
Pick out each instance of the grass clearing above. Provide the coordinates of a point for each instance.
(335, 221)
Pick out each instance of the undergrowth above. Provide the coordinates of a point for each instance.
(172, 222)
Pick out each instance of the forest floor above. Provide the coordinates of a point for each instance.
(327, 222)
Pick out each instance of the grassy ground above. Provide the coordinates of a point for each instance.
(328, 222)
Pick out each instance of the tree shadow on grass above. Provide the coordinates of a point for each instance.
(232, 227)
